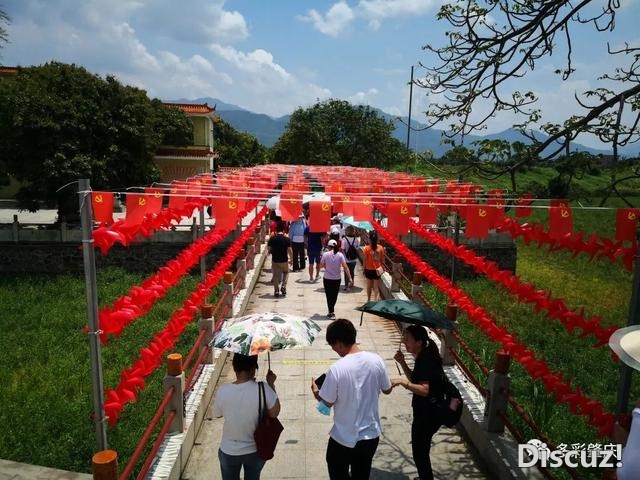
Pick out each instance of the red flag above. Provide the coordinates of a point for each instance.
(136, 208)
(154, 199)
(177, 195)
(428, 212)
(102, 203)
(398, 218)
(407, 202)
(225, 211)
(362, 209)
(290, 206)
(319, 215)
(626, 223)
(523, 205)
(347, 204)
(560, 219)
(478, 219)
(495, 208)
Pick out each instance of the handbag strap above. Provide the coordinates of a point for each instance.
(262, 402)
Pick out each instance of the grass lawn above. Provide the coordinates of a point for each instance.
(46, 398)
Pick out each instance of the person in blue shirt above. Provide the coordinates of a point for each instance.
(315, 243)
(296, 235)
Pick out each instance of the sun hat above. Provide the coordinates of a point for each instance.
(625, 342)
(332, 243)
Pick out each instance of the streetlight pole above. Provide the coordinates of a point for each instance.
(410, 102)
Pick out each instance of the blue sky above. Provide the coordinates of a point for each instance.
(274, 56)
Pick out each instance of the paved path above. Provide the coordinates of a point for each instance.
(301, 450)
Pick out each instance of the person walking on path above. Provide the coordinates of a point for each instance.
(315, 242)
(350, 245)
(332, 261)
(426, 382)
(296, 235)
(238, 403)
(373, 256)
(352, 387)
(281, 253)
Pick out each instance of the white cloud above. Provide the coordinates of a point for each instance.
(380, 9)
(336, 20)
(364, 98)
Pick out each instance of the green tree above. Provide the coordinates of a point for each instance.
(493, 43)
(335, 132)
(237, 149)
(60, 123)
(4, 37)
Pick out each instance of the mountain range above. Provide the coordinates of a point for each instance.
(268, 129)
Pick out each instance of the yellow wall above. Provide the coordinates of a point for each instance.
(200, 131)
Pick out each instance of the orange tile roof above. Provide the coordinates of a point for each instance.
(192, 107)
(8, 70)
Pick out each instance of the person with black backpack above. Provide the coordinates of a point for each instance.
(350, 246)
(426, 382)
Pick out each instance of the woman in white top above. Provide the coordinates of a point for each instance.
(332, 261)
(350, 246)
(237, 402)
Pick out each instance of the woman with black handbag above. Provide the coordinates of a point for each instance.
(426, 383)
(239, 404)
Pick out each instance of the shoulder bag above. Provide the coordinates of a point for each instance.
(268, 430)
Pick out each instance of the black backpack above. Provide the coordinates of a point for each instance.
(352, 253)
(450, 406)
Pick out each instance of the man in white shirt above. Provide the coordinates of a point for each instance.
(352, 387)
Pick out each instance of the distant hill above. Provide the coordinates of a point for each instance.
(268, 129)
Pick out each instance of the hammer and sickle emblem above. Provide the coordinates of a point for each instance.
(564, 213)
(366, 202)
(482, 212)
(156, 194)
(98, 199)
(630, 215)
(346, 199)
(173, 190)
(404, 210)
(325, 207)
(232, 205)
(142, 202)
(198, 182)
(431, 204)
(499, 205)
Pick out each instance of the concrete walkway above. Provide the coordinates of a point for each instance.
(301, 450)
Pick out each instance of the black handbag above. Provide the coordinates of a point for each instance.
(268, 430)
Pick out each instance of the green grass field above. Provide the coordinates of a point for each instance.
(44, 354)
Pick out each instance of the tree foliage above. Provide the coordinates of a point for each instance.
(60, 123)
(335, 132)
(4, 20)
(237, 149)
(493, 43)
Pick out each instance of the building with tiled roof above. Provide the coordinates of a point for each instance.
(179, 163)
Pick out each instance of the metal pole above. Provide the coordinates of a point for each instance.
(86, 216)
(203, 258)
(410, 102)
(624, 384)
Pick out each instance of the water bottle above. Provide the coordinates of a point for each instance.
(323, 408)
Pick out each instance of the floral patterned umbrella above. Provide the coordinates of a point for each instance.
(264, 332)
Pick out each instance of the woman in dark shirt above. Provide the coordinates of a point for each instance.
(425, 381)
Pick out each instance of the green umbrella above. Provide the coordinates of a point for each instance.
(357, 223)
(408, 312)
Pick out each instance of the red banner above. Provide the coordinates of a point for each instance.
(523, 205)
(560, 219)
(428, 212)
(398, 218)
(225, 211)
(290, 206)
(627, 224)
(154, 199)
(102, 203)
(478, 220)
(362, 210)
(136, 208)
(319, 215)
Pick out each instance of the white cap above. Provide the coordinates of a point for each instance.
(332, 243)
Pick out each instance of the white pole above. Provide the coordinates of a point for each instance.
(88, 254)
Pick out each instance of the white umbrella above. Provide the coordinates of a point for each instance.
(273, 202)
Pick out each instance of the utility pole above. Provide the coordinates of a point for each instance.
(410, 102)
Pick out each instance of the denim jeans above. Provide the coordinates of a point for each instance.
(230, 466)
